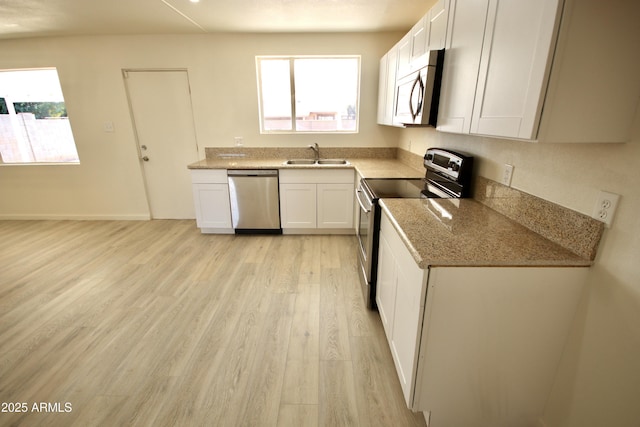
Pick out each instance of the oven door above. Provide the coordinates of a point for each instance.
(366, 244)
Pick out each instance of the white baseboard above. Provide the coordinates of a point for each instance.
(45, 217)
(350, 231)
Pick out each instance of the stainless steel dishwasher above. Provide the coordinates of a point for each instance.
(255, 205)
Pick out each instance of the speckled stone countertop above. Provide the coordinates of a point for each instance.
(367, 167)
(463, 232)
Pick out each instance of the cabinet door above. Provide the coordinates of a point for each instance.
(437, 26)
(298, 205)
(335, 205)
(514, 69)
(400, 295)
(213, 209)
(496, 336)
(420, 42)
(382, 89)
(461, 63)
(387, 87)
(407, 321)
(392, 72)
(386, 286)
(404, 55)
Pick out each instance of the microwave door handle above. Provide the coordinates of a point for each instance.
(417, 81)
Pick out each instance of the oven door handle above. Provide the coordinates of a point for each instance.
(358, 193)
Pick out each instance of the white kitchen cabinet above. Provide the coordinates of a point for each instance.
(518, 47)
(496, 67)
(437, 26)
(400, 299)
(320, 200)
(211, 198)
(429, 33)
(461, 63)
(419, 43)
(298, 205)
(404, 48)
(541, 70)
(474, 346)
(387, 87)
(335, 205)
(409, 55)
(496, 336)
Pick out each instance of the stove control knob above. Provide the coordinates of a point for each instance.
(454, 166)
(429, 157)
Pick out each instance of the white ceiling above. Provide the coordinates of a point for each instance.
(33, 18)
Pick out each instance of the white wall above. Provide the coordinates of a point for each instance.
(598, 382)
(108, 182)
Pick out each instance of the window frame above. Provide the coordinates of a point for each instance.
(291, 59)
(74, 162)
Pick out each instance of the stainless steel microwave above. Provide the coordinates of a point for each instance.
(418, 94)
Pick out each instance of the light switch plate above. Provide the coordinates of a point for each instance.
(108, 126)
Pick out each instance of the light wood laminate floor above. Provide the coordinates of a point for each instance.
(151, 323)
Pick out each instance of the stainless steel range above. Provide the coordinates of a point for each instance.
(448, 175)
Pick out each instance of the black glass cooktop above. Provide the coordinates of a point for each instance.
(405, 188)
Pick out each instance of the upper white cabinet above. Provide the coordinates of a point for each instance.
(461, 63)
(387, 86)
(496, 66)
(409, 55)
(404, 48)
(505, 77)
(516, 55)
(437, 26)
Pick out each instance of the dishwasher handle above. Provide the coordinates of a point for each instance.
(252, 172)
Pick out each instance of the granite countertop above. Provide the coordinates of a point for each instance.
(367, 167)
(463, 232)
(437, 232)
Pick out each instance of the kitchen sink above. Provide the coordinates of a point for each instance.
(300, 162)
(316, 162)
(332, 162)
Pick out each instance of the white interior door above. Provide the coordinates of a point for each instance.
(160, 103)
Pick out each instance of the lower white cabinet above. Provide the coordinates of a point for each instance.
(211, 198)
(400, 299)
(474, 346)
(298, 205)
(316, 199)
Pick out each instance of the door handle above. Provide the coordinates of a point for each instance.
(145, 158)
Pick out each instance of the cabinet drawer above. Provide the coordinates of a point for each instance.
(209, 176)
(316, 176)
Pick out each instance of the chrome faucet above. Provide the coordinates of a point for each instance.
(316, 150)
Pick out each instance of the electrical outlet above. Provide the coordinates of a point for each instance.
(239, 141)
(507, 174)
(605, 207)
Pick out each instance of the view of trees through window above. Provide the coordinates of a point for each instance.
(321, 93)
(34, 126)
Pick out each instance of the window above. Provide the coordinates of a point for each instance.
(321, 93)
(34, 125)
